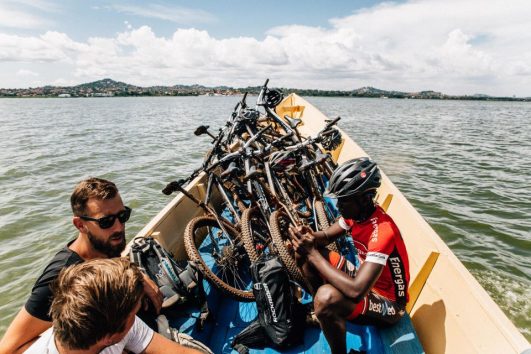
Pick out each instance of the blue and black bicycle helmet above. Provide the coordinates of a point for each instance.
(353, 178)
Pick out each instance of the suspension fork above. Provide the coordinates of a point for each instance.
(225, 196)
(315, 186)
(288, 205)
(315, 193)
(267, 168)
(261, 200)
(247, 167)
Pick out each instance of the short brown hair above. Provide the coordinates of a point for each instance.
(92, 187)
(94, 299)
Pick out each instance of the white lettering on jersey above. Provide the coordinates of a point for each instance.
(374, 234)
(398, 276)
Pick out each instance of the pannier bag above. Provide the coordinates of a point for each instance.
(178, 283)
(281, 318)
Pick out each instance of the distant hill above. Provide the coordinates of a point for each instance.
(105, 84)
(108, 87)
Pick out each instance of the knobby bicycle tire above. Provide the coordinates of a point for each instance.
(192, 243)
(323, 222)
(249, 217)
(279, 223)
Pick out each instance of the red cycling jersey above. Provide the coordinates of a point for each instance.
(378, 240)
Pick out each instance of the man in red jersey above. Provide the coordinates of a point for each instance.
(376, 293)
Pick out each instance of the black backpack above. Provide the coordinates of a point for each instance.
(180, 283)
(281, 318)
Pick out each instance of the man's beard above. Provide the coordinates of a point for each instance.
(106, 247)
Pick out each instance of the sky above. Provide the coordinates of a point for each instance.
(451, 46)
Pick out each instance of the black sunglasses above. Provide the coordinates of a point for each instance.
(108, 221)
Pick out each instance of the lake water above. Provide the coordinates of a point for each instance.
(464, 165)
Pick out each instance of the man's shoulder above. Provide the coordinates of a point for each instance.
(38, 303)
(65, 257)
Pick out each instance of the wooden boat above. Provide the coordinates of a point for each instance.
(449, 310)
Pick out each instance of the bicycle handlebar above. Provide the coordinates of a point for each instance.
(331, 123)
(326, 130)
(259, 99)
(240, 152)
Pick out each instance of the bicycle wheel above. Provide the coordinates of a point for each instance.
(324, 220)
(255, 233)
(280, 223)
(220, 256)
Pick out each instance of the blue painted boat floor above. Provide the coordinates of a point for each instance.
(230, 317)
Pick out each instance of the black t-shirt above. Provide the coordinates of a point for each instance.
(40, 300)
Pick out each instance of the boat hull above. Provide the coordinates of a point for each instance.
(452, 313)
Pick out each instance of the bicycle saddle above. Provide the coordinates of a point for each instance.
(253, 173)
(293, 122)
(231, 171)
(320, 156)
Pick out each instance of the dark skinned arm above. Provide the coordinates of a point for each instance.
(355, 288)
(322, 239)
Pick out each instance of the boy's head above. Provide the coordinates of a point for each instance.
(96, 302)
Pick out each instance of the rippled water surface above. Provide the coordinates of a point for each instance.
(464, 165)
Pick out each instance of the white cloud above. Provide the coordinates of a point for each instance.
(25, 72)
(20, 14)
(180, 15)
(14, 18)
(49, 47)
(456, 47)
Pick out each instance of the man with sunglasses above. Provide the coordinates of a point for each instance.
(99, 217)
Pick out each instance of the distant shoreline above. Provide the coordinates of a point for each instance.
(111, 88)
(491, 99)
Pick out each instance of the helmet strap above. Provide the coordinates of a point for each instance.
(366, 206)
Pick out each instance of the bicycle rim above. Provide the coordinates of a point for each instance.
(255, 234)
(219, 256)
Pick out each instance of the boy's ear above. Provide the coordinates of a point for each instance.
(111, 339)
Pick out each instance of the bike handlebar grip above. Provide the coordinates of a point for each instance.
(333, 122)
(174, 186)
(200, 130)
(170, 188)
(266, 82)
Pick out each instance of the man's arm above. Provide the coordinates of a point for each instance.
(21, 333)
(153, 292)
(160, 345)
(325, 237)
(355, 288)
